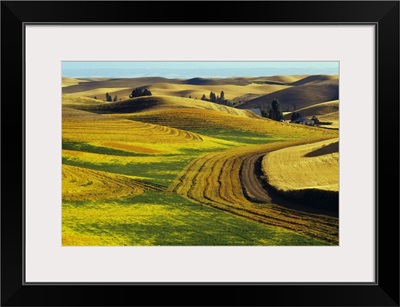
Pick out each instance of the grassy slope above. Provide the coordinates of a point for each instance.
(317, 109)
(115, 145)
(71, 81)
(155, 217)
(186, 90)
(302, 96)
(312, 166)
(68, 99)
(196, 87)
(314, 79)
(325, 111)
(283, 79)
(306, 174)
(214, 179)
(230, 91)
(150, 103)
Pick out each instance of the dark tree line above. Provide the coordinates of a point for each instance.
(295, 115)
(138, 92)
(109, 98)
(217, 99)
(273, 111)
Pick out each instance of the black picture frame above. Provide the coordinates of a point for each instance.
(383, 14)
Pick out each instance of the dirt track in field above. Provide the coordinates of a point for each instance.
(256, 190)
(231, 181)
(250, 179)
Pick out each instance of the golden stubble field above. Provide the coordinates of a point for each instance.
(169, 170)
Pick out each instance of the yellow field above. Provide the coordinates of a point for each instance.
(310, 166)
(325, 112)
(200, 118)
(318, 109)
(216, 180)
(230, 91)
(81, 184)
(92, 139)
(186, 90)
(188, 113)
(300, 96)
(169, 170)
(283, 79)
(71, 81)
(330, 117)
(71, 99)
(315, 79)
(101, 92)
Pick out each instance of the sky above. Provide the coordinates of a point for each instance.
(195, 69)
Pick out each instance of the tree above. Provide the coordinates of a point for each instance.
(276, 108)
(222, 95)
(270, 112)
(190, 96)
(146, 92)
(213, 98)
(264, 113)
(115, 98)
(108, 97)
(95, 97)
(295, 115)
(138, 92)
(203, 97)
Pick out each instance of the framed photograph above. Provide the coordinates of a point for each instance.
(200, 148)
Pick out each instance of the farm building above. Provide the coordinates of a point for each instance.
(304, 121)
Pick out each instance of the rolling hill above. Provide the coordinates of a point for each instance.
(71, 81)
(117, 83)
(230, 91)
(314, 79)
(148, 103)
(318, 109)
(324, 111)
(170, 170)
(281, 79)
(297, 97)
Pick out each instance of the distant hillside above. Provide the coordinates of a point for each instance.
(150, 103)
(201, 81)
(232, 91)
(315, 79)
(117, 83)
(68, 99)
(297, 96)
(218, 81)
(318, 109)
(281, 79)
(71, 81)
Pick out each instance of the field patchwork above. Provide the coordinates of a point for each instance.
(169, 170)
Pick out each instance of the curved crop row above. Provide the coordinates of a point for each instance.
(82, 184)
(215, 180)
(122, 132)
(189, 119)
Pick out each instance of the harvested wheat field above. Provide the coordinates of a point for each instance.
(308, 166)
(81, 184)
(308, 174)
(167, 168)
(71, 81)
